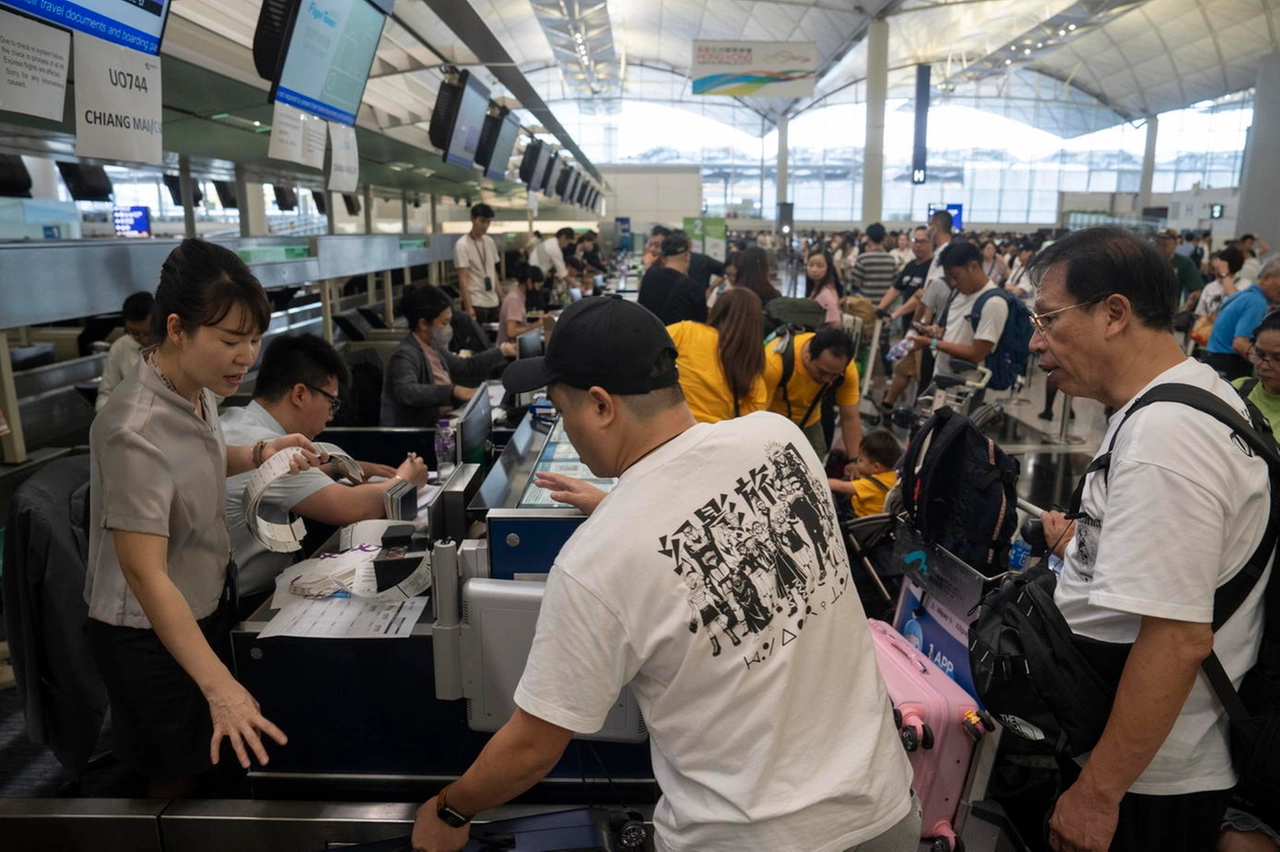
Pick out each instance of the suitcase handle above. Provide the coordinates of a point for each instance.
(913, 657)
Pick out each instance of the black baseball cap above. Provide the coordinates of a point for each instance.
(600, 341)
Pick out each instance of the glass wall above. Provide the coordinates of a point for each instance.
(1003, 151)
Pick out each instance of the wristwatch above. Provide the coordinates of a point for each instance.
(933, 345)
(448, 815)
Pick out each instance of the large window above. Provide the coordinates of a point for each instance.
(1005, 153)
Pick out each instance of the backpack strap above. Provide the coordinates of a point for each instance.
(976, 316)
(788, 364)
(1230, 596)
(946, 310)
(877, 483)
(1247, 388)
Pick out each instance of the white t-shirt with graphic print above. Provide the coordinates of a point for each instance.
(714, 581)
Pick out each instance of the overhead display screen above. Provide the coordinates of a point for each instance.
(132, 221)
(468, 123)
(328, 53)
(132, 23)
(496, 168)
(550, 181)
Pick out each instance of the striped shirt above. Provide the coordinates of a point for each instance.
(873, 273)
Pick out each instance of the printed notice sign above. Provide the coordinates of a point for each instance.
(34, 67)
(344, 170)
(297, 137)
(117, 102)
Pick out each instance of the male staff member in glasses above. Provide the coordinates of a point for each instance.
(1180, 511)
(297, 391)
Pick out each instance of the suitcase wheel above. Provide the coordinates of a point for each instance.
(973, 729)
(987, 721)
(897, 718)
(941, 844)
(926, 740)
(909, 740)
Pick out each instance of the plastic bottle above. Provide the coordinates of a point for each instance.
(446, 444)
(902, 348)
(1018, 555)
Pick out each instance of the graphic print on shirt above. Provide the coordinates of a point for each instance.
(758, 563)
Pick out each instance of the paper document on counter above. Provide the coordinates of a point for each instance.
(347, 618)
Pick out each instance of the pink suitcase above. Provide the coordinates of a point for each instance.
(940, 724)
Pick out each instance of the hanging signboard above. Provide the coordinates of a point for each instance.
(117, 102)
(33, 67)
(297, 137)
(754, 68)
(344, 165)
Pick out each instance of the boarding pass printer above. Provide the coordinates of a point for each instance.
(481, 638)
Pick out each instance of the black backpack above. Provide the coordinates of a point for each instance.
(798, 314)
(960, 491)
(1044, 683)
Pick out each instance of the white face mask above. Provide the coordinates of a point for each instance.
(441, 336)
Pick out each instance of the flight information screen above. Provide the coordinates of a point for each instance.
(327, 59)
(133, 23)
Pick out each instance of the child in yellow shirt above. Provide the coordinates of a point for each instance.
(873, 472)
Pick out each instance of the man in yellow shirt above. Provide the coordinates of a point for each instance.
(819, 364)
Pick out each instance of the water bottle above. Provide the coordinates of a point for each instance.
(1018, 555)
(446, 445)
(901, 349)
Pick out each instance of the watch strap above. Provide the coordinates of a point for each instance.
(448, 815)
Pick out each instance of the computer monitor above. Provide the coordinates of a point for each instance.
(475, 422)
(529, 344)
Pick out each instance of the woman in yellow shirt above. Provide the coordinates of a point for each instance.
(721, 362)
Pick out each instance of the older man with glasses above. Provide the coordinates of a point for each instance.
(1240, 314)
(1179, 510)
(297, 391)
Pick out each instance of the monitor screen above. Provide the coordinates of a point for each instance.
(328, 53)
(132, 221)
(499, 157)
(473, 107)
(138, 24)
(474, 424)
(552, 178)
(529, 344)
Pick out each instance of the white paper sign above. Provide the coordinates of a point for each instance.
(297, 137)
(117, 102)
(344, 171)
(33, 60)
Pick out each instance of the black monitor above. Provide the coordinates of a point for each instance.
(552, 178)
(568, 184)
(469, 106)
(321, 200)
(226, 190)
(286, 198)
(352, 203)
(86, 183)
(529, 344)
(475, 422)
(584, 190)
(328, 51)
(533, 167)
(174, 184)
(496, 143)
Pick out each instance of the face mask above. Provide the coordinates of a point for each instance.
(441, 336)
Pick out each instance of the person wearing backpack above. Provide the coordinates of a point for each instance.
(1175, 505)
(966, 331)
(800, 368)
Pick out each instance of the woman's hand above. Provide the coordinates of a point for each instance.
(566, 489)
(309, 457)
(237, 716)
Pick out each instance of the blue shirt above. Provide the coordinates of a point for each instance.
(1239, 316)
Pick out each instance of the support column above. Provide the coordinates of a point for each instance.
(329, 213)
(404, 211)
(326, 308)
(44, 177)
(368, 208)
(253, 211)
(1260, 182)
(188, 196)
(1148, 165)
(435, 216)
(783, 159)
(877, 94)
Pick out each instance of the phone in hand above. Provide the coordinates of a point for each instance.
(919, 327)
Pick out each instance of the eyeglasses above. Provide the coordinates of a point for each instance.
(334, 402)
(1261, 356)
(1042, 322)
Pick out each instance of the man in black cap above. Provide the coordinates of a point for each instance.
(769, 724)
(667, 289)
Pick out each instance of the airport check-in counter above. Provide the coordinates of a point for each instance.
(419, 709)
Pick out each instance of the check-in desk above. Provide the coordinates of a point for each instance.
(525, 528)
(365, 713)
